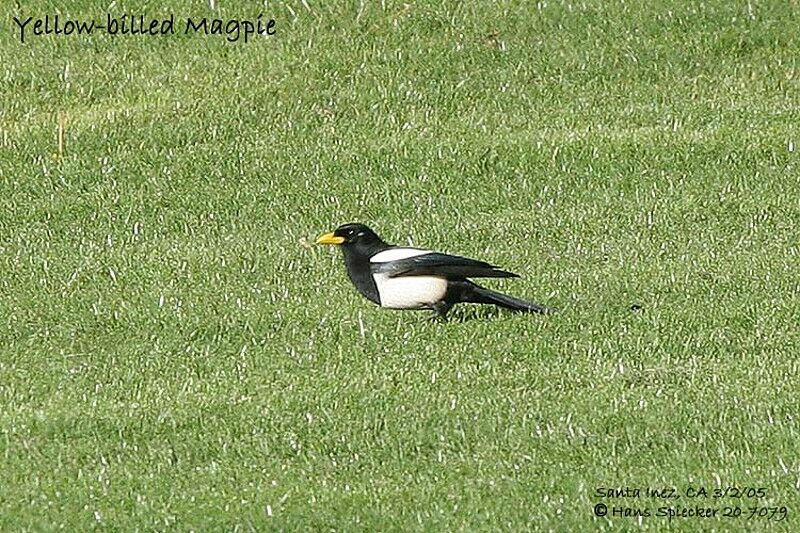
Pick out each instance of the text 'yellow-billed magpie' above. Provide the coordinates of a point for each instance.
(399, 277)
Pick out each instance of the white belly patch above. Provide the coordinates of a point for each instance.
(410, 292)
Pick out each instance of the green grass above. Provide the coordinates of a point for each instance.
(175, 355)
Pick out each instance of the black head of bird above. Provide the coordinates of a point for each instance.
(357, 237)
(399, 277)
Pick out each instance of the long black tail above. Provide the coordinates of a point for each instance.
(482, 295)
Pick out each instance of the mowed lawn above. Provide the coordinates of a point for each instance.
(176, 354)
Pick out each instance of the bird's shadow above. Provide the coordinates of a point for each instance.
(465, 314)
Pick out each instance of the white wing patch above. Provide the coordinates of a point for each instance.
(393, 254)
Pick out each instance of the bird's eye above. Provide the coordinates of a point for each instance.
(360, 234)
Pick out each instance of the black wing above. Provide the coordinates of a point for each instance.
(442, 265)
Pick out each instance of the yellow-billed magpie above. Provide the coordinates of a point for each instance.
(399, 277)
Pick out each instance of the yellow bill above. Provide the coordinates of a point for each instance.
(330, 238)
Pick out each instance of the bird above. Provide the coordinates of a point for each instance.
(399, 277)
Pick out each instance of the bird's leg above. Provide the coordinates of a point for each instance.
(440, 309)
